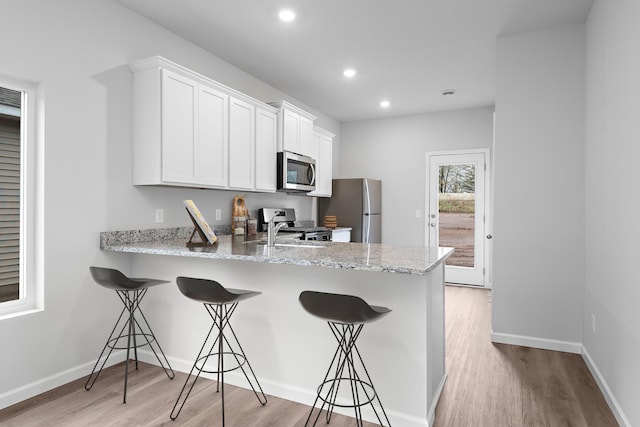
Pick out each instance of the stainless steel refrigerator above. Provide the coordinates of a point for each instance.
(356, 203)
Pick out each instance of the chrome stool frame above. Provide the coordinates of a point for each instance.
(131, 323)
(220, 304)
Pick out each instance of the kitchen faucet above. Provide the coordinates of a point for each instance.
(272, 231)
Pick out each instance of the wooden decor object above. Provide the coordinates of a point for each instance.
(201, 227)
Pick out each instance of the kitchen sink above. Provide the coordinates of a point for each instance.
(301, 245)
(288, 243)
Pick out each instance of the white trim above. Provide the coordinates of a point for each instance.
(31, 201)
(295, 394)
(431, 415)
(606, 391)
(35, 388)
(535, 342)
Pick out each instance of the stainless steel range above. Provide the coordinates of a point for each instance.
(288, 216)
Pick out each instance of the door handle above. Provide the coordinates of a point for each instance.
(433, 224)
(489, 236)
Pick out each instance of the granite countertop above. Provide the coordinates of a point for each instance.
(351, 256)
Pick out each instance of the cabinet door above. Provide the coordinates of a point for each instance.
(265, 150)
(305, 137)
(290, 131)
(322, 149)
(211, 150)
(325, 168)
(179, 96)
(241, 144)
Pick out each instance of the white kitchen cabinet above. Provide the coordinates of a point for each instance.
(192, 131)
(178, 109)
(212, 147)
(306, 136)
(295, 129)
(323, 153)
(341, 234)
(265, 151)
(241, 145)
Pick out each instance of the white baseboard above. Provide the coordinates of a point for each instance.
(35, 388)
(431, 415)
(534, 342)
(606, 391)
(295, 394)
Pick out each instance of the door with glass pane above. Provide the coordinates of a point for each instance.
(456, 213)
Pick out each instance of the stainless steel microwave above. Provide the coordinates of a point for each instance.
(296, 173)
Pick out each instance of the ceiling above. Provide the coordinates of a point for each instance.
(405, 51)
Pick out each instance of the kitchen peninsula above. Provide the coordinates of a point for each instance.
(289, 349)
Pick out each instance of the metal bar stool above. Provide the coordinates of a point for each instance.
(131, 326)
(220, 303)
(346, 316)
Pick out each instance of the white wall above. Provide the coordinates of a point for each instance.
(539, 186)
(612, 291)
(394, 149)
(76, 51)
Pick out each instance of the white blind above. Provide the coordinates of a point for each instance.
(9, 200)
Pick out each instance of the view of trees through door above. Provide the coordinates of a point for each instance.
(457, 192)
(457, 204)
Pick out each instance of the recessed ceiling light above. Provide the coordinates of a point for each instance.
(287, 15)
(448, 92)
(349, 72)
(385, 104)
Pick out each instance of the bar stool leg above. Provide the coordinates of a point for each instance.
(220, 314)
(131, 306)
(346, 335)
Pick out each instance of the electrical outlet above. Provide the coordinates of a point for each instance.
(218, 214)
(159, 215)
(593, 323)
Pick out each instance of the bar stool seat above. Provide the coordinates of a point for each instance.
(132, 326)
(220, 303)
(346, 315)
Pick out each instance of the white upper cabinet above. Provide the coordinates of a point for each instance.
(192, 131)
(322, 147)
(212, 147)
(265, 158)
(306, 136)
(241, 145)
(295, 128)
(179, 109)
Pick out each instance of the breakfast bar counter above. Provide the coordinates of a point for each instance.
(288, 349)
(353, 256)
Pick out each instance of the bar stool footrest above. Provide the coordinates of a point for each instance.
(148, 339)
(335, 382)
(238, 358)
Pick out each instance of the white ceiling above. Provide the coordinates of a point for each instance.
(406, 51)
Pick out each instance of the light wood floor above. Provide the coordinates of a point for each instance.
(500, 385)
(488, 386)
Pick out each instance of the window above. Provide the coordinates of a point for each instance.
(19, 292)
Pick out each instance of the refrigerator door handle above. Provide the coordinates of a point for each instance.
(367, 228)
(367, 197)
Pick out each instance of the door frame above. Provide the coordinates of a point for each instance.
(488, 216)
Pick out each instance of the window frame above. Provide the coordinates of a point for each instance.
(31, 289)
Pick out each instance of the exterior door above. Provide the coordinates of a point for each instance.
(457, 212)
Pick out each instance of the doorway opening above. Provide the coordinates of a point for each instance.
(457, 206)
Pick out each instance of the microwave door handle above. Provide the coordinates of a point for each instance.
(312, 169)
